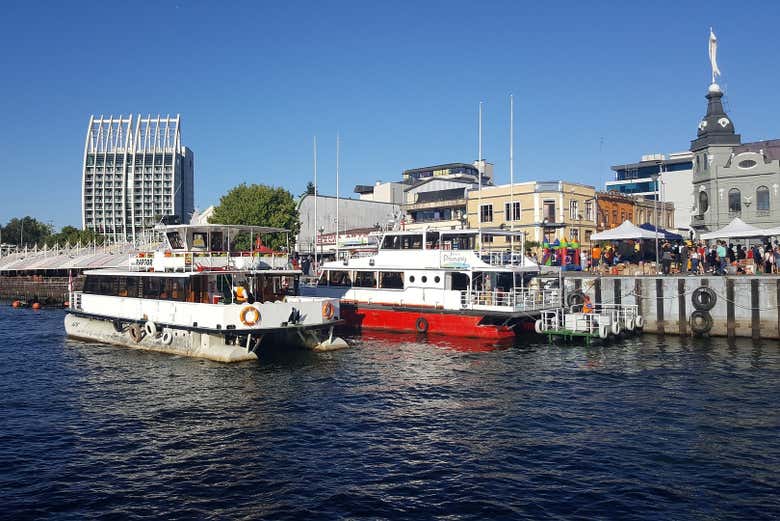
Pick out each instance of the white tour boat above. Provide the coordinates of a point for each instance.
(440, 282)
(198, 297)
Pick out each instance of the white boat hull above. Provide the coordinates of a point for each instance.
(185, 342)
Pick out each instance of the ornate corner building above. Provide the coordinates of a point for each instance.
(730, 178)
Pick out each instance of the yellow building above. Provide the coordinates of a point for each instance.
(542, 209)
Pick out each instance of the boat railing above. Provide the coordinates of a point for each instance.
(75, 300)
(206, 260)
(502, 258)
(525, 299)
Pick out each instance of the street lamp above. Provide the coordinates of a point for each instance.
(655, 213)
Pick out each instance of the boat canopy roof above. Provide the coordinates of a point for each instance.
(188, 274)
(237, 228)
(498, 232)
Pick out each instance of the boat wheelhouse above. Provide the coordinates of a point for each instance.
(445, 281)
(200, 296)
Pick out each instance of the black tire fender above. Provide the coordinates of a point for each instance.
(703, 298)
(700, 322)
(421, 325)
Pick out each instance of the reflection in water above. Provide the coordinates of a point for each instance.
(396, 427)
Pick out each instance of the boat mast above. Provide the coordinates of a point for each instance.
(479, 189)
(337, 195)
(315, 205)
(511, 175)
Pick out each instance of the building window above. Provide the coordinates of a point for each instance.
(589, 211)
(515, 215)
(574, 210)
(762, 200)
(486, 213)
(574, 234)
(704, 202)
(614, 217)
(735, 201)
(549, 211)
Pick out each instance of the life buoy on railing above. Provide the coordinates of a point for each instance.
(640, 321)
(249, 316)
(421, 325)
(328, 310)
(700, 322)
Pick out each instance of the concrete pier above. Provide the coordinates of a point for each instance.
(745, 305)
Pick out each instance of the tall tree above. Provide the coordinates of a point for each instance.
(69, 234)
(26, 232)
(259, 205)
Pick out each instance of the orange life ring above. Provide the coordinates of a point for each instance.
(327, 311)
(249, 321)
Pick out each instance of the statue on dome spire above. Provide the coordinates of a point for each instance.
(713, 48)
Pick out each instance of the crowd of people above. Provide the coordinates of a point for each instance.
(689, 257)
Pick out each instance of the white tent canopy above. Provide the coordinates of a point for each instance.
(736, 229)
(627, 230)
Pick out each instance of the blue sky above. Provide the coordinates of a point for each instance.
(400, 81)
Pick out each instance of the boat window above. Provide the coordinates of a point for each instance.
(432, 240)
(339, 278)
(323, 280)
(216, 241)
(504, 281)
(459, 281)
(391, 279)
(198, 241)
(151, 287)
(411, 242)
(459, 242)
(365, 279)
(174, 240)
(391, 242)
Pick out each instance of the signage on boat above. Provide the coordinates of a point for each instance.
(140, 262)
(451, 259)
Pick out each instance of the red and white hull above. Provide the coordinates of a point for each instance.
(399, 318)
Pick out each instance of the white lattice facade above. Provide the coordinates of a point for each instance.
(135, 172)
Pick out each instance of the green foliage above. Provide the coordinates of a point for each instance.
(25, 231)
(69, 234)
(310, 188)
(259, 205)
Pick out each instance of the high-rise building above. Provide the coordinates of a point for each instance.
(136, 173)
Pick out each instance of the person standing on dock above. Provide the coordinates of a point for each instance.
(685, 253)
(666, 258)
(721, 254)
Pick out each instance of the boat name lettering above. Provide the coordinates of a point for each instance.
(454, 259)
(141, 261)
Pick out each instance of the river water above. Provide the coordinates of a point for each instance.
(393, 428)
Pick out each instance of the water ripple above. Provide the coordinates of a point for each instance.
(395, 428)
